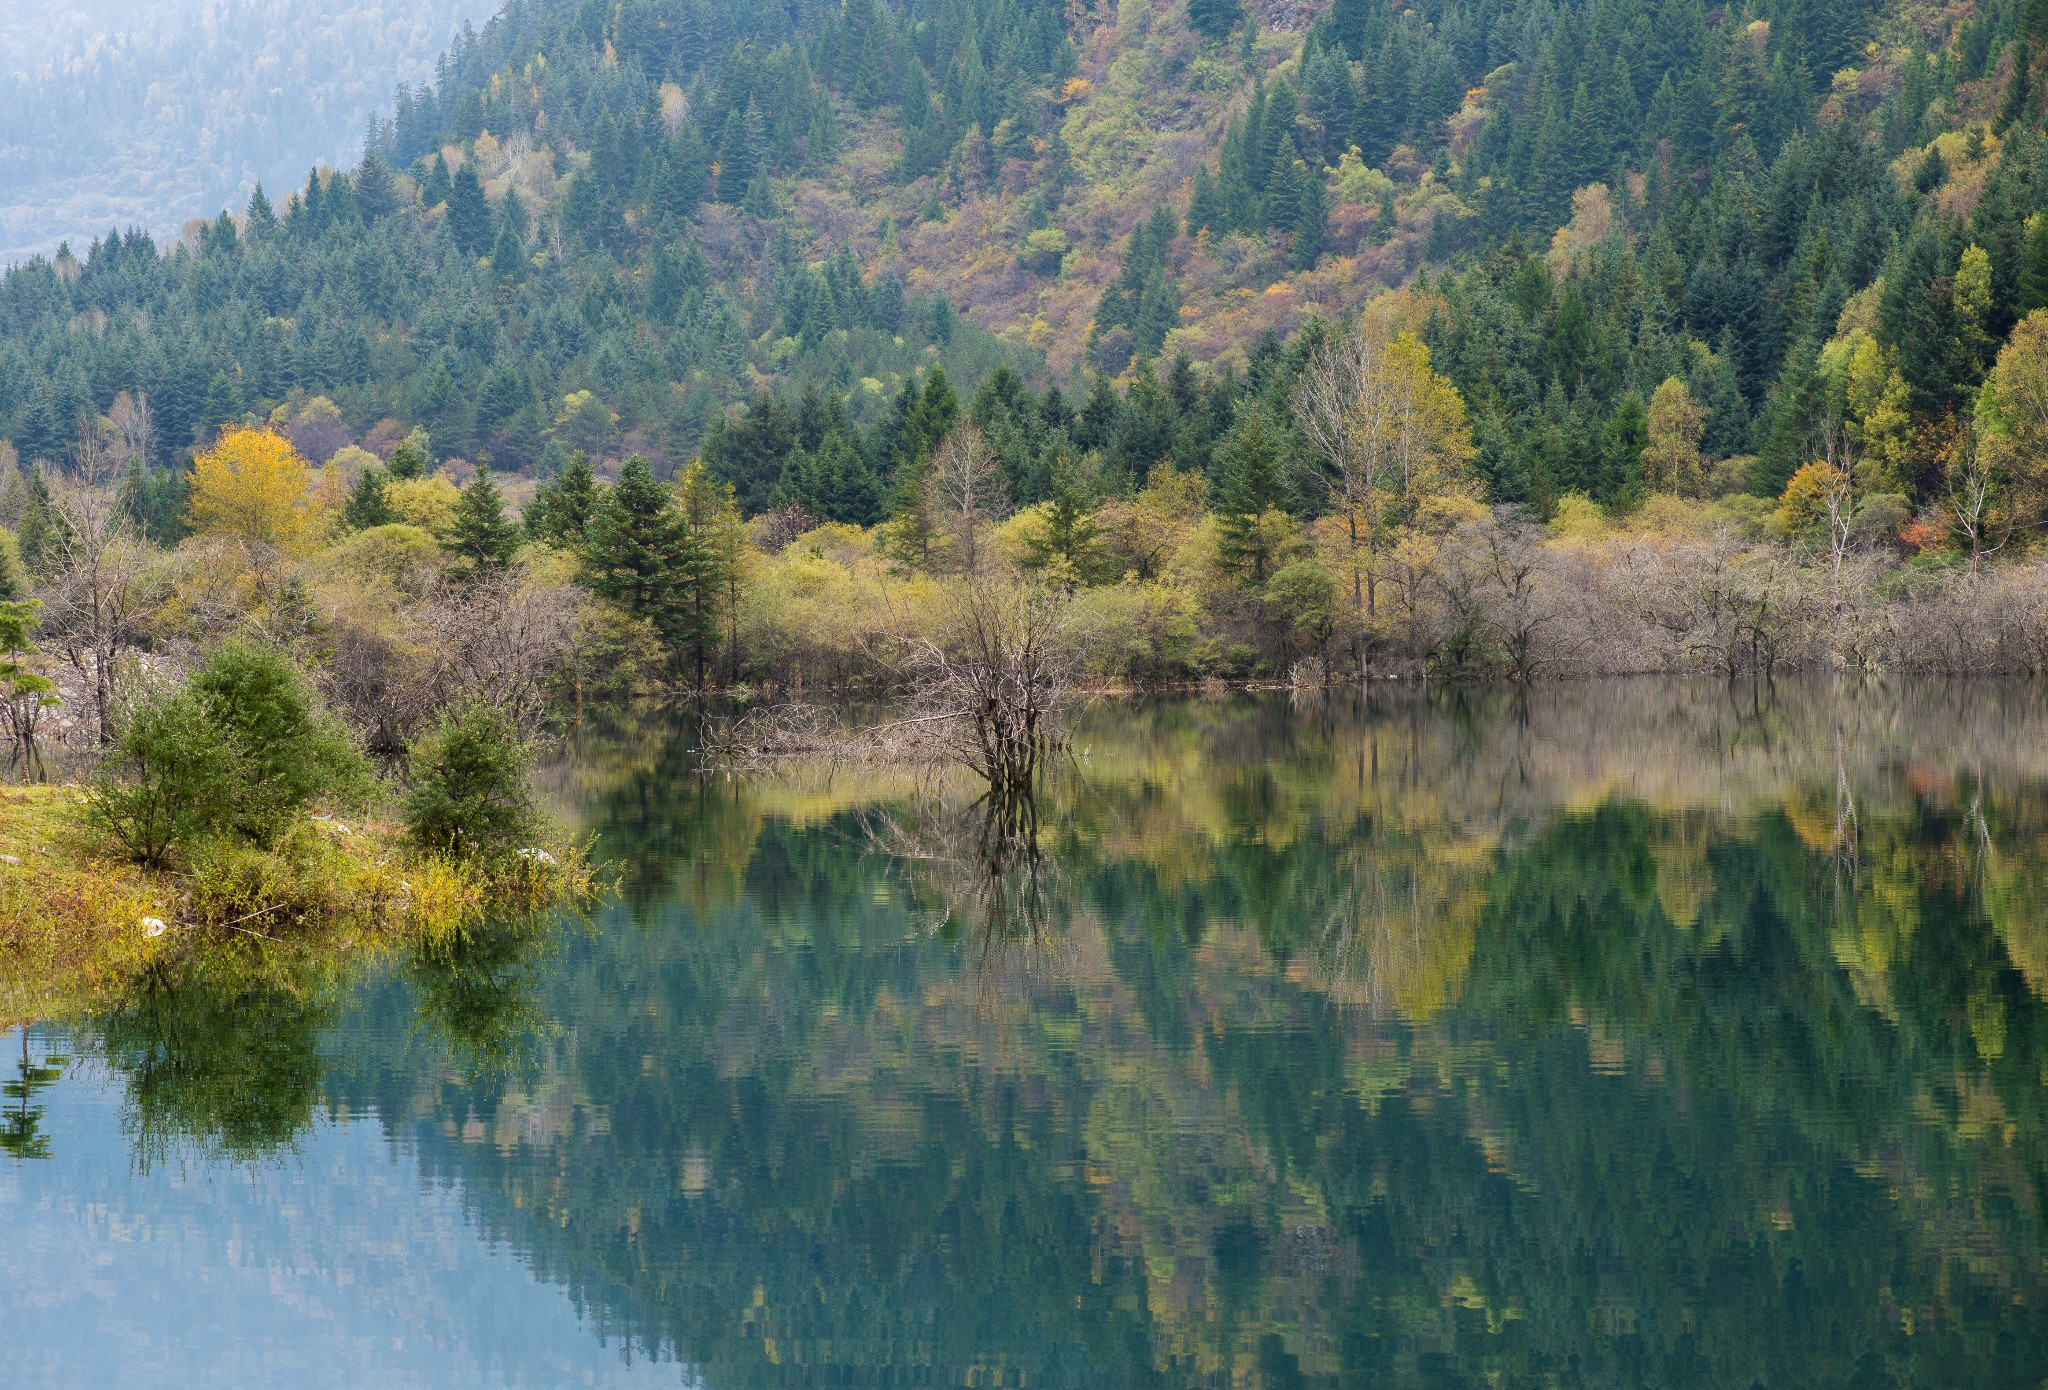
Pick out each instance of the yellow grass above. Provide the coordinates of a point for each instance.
(77, 922)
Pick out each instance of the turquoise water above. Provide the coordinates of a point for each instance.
(1612, 1036)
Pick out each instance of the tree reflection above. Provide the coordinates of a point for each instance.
(217, 1063)
(476, 993)
(21, 1119)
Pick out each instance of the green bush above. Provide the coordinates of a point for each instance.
(469, 795)
(169, 779)
(288, 752)
(243, 750)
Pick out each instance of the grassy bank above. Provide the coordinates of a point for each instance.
(80, 922)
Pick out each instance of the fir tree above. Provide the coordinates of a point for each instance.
(635, 548)
(1311, 220)
(1252, 499)
(40, 534)
(469, 216)
(410, 459)
(562, 507)
(376, 195)
(1068, 540)
(2033, 273)
(366, 505)
(1214, 19)
(482, 540)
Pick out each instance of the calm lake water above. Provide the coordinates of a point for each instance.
(1634, 1035)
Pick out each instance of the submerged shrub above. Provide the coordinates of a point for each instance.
(469, 795)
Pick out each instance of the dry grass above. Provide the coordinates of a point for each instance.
(76, 920)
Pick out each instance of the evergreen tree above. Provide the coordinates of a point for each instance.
(469, 216)
(562, 507)
(1214, 19)
(260, 218)
(366, 505)
(376, 194)
(1311, 220)
(410, 459)
(41, 533)
(1250, 510)
(1206, 211)
(2033, 270)
(711, 538)
(635, 550)
(1622, 441)
(482, 540)
(1069, 538)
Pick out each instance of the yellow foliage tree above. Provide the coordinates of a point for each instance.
(2012, 426)
(1672, 461)
(1396, 448)
(253, 484)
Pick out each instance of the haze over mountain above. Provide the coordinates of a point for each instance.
(150, 112)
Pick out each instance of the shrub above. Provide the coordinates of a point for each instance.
(169, 779)
(288, 752)
(469, 795)
(242, 750)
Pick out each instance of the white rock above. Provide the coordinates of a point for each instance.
(8, 859)
(154, 926)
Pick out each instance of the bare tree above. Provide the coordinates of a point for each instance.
(498, 639)
(990, 689)
(1330, 388)
(963, 485)
(95, 594)
(1838, 490)
(130, 429)
(1391, 433)
(1969, 481)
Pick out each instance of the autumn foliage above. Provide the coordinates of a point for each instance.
(254, 485)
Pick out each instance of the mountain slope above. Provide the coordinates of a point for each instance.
(1656, 247)
(111, 119)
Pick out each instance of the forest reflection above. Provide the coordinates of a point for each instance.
(1636, 1034)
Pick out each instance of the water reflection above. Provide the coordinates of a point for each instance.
(1630, 1035)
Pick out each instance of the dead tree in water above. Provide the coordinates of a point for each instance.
(984, 692)
(990, 688)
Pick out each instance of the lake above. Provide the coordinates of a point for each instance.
(1624, 1035)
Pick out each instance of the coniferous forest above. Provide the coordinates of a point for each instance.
(1486, 337)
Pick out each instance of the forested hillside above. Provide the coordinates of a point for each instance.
(1769, 264)
(118, 113)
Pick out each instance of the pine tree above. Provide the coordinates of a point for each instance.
(709, 560)
(366, 505)
(1214, 19)
(562, 507)
(1206, 211)
(508, 257)
(635, 548)
(41, 534)
(1068, 540)
(1622, 441)
(2033, 275)
(1250, 512)
(482, 540)
(223, 402)
(376, 195)
(1311, 220)
(410, 459)
(13, 583)
(469, 216)
(260, 218)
